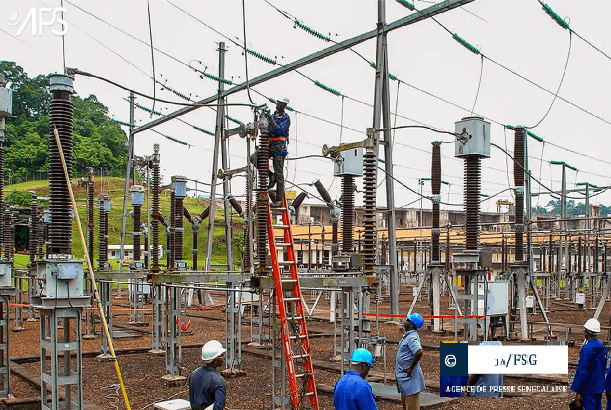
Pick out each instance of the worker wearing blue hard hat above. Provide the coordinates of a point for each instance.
(410, 380)
(351, 391)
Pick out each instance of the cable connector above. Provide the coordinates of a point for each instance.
(466, 44)
(561, 22)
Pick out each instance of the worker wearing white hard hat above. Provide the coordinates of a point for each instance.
(207, 389)
(589, 381)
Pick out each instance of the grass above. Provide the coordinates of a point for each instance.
(114, 187)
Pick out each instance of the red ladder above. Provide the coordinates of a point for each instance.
(288, 294)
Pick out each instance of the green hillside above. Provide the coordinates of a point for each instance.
(114, 187)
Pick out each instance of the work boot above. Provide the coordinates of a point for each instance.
(272, 180)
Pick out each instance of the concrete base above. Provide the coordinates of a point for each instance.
(32, 319)
(18, 329)
(143, 324)
(427, 400)
(172, 380)
(104, 358)
(258, 345)
(157, 352)
(90, 337)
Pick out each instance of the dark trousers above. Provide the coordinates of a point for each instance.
(278, 166)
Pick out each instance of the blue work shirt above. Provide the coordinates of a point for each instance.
(408, 346)
(352, 392)
(608, 388)
(279, 135)
(590, 374)
(487, 385)
(206, 386)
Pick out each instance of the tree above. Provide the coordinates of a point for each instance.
(97, 141)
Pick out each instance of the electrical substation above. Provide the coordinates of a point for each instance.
(303, 284)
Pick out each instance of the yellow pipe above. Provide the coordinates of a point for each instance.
(96, 295)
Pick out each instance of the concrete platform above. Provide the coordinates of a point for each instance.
(427, 400)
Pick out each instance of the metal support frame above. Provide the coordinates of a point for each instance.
(106, 301)
(5, 387)
(157, 333)
(173, 356)
(61, 375)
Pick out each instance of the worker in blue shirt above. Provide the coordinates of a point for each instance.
(208, 389)
(608, 389)
(278, 131)
(408, 373)
(589, 381)
(351, 391)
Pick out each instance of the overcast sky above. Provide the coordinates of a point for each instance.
(431, 65)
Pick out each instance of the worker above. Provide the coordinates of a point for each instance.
(278, 131)
(351, 391)
(207, 389)
(589, 381)
(408, 373)
(608, 390)
(486, 385)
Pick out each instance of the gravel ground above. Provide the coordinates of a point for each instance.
(142, 372)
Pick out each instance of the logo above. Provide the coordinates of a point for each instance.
(453, 359)
(39, 18)
(450, 360)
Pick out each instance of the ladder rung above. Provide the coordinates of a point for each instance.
(300, 356)
(288, 280)
(295, 318)
(310, 393)
(282, 244)
(291, 299)
(286, 263)
(297, 337)
(281, 227)
(297, 376)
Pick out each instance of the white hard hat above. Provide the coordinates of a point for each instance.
(592, 325)
(211, 350)
(283, 100)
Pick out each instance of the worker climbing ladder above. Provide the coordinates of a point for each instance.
(295, 342)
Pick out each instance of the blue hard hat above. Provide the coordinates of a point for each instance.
(416, 319)
(361, 355)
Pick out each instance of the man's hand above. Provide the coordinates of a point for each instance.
(578, 398)
(409, 371)
(287, 141)
(608, 394)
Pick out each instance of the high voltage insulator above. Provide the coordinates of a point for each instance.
(518, 175)
(406, 4)
(90, 215)
(235, 204)
(8, 235)
(180, 192)
(149, 110)
(322, 191)
(33, 225)
(262, 196)
(60, 118)
(155, 213)
(561, 22)
(261, 56)
(369, 205)
(297, 202)
(203, 130)
(215, 78)
(435, 189)
(329, 89)
(347, 212)
(466, 44)
(312, 31)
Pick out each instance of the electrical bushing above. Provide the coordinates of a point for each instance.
(107, 203)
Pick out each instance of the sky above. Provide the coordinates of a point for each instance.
(440, 82)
